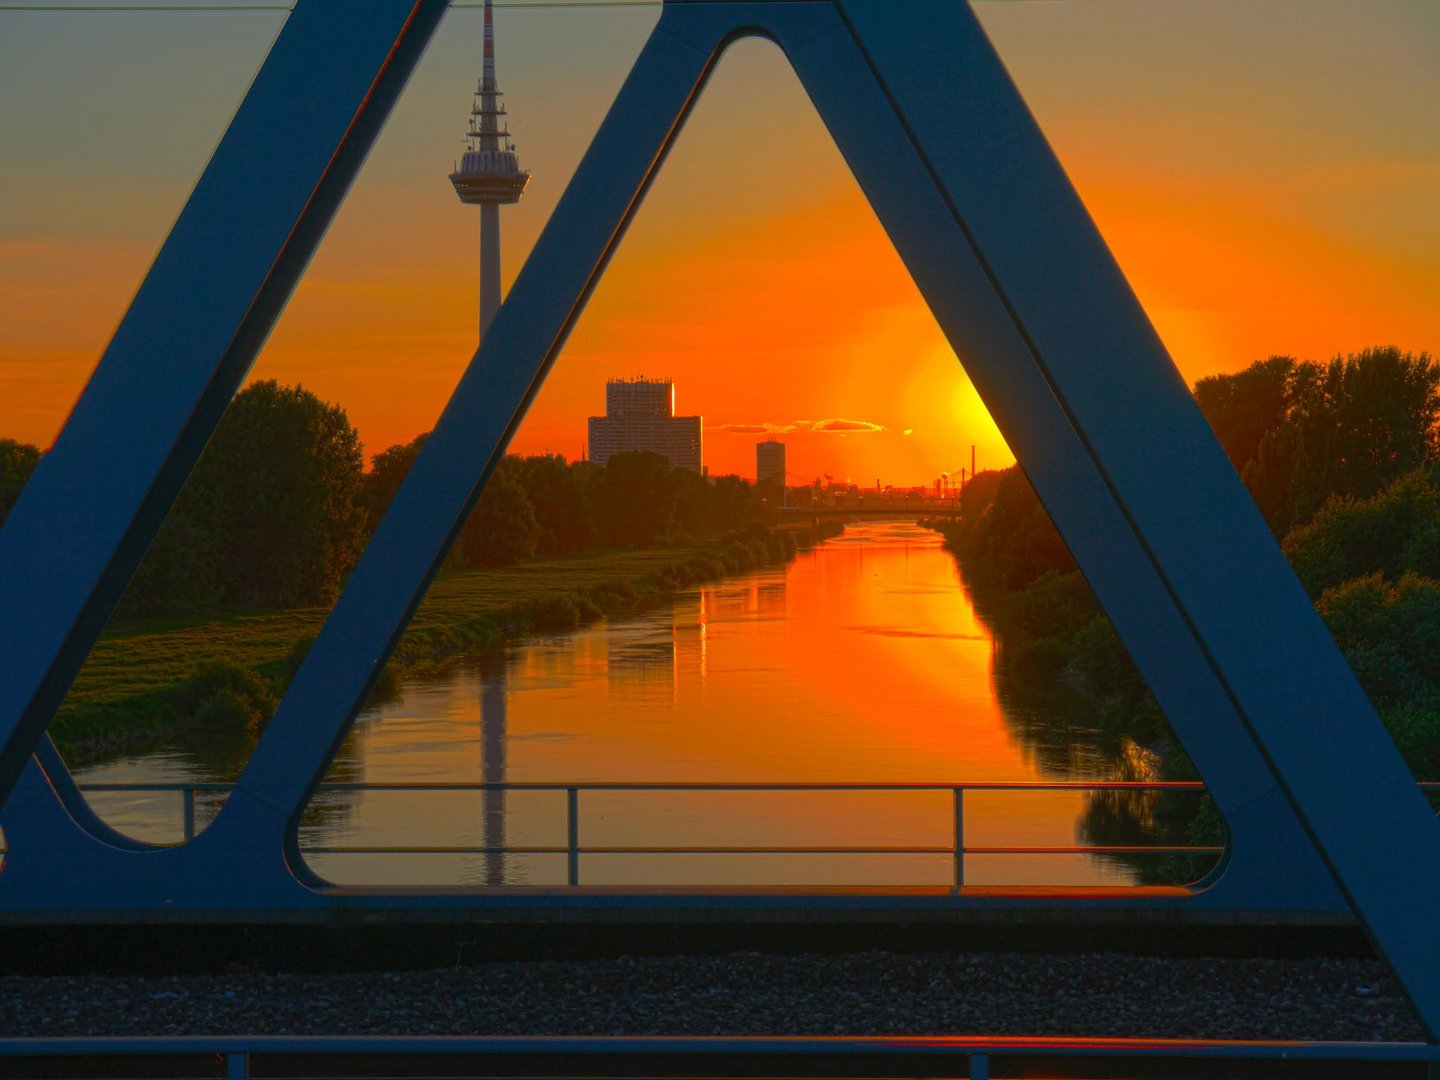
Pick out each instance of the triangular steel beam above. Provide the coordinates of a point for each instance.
(1060, 350)
(209, 301)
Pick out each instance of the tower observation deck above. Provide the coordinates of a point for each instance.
(488, 174)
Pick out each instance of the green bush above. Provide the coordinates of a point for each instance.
(296, 656)
(1031, 663)
(1415, 727)
(555, 614)
(1056, 605)
(1396, 531)
(215, 678)
(228, 710)
(1390, 634)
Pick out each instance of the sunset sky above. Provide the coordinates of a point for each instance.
(1266, 171)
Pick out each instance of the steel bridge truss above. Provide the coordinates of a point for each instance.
(1323, 815)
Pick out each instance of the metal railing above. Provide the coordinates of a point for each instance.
(679, 1058)
(574, 849)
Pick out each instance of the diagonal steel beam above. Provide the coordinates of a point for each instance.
(1268, 847)
(1250, 619)
(206, 306)
(470, 437)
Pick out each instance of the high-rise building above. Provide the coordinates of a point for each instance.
(640, 415)
(488, 175)
(640, 397)
(770, 462)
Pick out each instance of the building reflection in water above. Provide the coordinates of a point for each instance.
(657, 665)
(770, 600)
(642, 664)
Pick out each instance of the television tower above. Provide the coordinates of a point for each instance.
(489, 173)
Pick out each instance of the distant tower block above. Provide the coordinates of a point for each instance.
(770, 462)
(640, 415)
(489, 173)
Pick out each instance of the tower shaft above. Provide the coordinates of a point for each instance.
(489, 264)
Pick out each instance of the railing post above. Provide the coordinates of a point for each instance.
(979, 1068)
(187, 798)
(959, 840)
(237, 1066)
(572, 806)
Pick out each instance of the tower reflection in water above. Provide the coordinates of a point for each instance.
(494, 694)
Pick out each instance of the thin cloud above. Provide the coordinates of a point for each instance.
(753, 429)
(841, 426)
(834, 426)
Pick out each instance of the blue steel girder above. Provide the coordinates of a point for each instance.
(1023, 286)
(191, 334)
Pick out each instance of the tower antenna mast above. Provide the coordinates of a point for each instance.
(488, 174)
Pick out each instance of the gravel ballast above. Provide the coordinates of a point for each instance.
(868, 993)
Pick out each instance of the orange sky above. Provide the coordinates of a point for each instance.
(1264, 171)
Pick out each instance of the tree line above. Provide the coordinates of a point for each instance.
(280, 506)
(1343, 460)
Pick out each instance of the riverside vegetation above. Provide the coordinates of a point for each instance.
(1343, 461)
(276, 514)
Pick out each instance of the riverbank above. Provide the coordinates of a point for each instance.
(140, 685)
(1056, 649)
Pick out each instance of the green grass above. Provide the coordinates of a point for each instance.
(127, 695)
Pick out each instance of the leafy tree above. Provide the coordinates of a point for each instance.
(694, 502)
(1351, 427)
(180, 574)
(17, 462)
(1010, 538)
(388, 470)
(285, 470)
(502, 529)
(273, 502)
(1245, 407)
(1391, 636)
(735, 504)
(561, 509)
(638, 499)
(1391, 533)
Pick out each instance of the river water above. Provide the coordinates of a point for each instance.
(862, 661)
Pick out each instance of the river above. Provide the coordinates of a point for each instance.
(862, 661)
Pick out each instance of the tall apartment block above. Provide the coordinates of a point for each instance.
(640, 415)
(770, 462)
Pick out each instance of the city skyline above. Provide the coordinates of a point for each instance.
(1257, 202)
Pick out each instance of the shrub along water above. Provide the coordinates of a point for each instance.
(141, 685)
(1344, 462)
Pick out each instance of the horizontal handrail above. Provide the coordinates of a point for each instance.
(574, 849)
(1072, 849)
(689, 1056)
(729, 786)
(626, 785)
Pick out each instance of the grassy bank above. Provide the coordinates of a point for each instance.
(141, 684)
